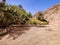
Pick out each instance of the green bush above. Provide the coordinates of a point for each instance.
(35, 22)
(12, 14)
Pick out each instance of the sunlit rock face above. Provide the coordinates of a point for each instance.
(53, 15)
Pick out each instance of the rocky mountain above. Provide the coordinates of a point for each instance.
(53, 15)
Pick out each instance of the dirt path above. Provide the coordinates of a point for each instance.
(35, 36)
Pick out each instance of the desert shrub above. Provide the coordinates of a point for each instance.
(2, 5)
(35, 22)
(42, 20)
(11, 14)
(7, 19)
(32, 22)
(14, 14)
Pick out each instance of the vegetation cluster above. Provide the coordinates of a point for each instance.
(12, 14)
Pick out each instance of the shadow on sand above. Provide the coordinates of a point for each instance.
(13, 31)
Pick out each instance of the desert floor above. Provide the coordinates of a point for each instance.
(35, 36)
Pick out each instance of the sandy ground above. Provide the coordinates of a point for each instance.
(35, 36)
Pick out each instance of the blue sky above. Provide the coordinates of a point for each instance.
(34, 5)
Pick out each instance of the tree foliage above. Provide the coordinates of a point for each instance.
(11, 14)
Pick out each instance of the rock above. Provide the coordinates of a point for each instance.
(37, 14)
(53, 15)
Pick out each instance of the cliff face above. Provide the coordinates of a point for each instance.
(53, 15)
